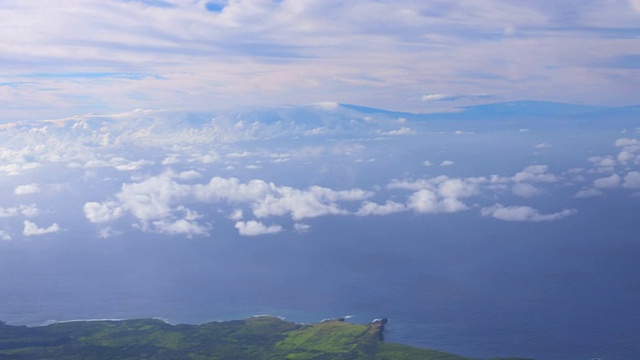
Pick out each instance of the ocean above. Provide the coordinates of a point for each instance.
(475, 286)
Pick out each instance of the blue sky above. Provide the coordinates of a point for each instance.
(110, 56)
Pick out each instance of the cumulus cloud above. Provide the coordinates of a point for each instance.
(371, 208)
(255, 228)
(525, 190)
(31, 229)
(27, 189)
(632, 180)
(24, 210)
(447, 163)
(4, 236)
(523, 213)
(189, 175)
(535, 173)
(612, 181)
(102, 212)
(156, 202)
(183, 226)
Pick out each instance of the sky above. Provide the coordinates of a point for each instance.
(157, 156)
(75, 57)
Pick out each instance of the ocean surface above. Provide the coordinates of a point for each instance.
(569, 290)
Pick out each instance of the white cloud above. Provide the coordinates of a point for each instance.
(523, 213)
(525, 190)
(31, 229)
(300, 204)
(426, 201)
(189, 175)
(122, 164)
(626, 142)
(27, 189)
(25, 210)
(18, 168)
(427, 163)
(155, 202)
(543, 146)
(398, 132)
(4, 236)
(236, 215)
(632, 180)
(107, 232)
(434, 97)
(184, 226)
(612, 181)
(102, 212)
(371, 208)
(301, 228)
(170, 160)
(534, 173)
(587, 193)
(255, 228)
(447, 163)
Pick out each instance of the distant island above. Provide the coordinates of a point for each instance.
(261, 337)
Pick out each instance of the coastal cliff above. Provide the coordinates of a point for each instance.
(262, 337)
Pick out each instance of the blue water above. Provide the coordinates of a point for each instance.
(568, 290)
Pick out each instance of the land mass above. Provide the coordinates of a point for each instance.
(263, 337)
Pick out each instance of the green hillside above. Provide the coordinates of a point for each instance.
(253, 338)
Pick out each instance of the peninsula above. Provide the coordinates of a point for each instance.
(262, 337)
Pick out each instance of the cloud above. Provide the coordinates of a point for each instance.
(435, 195)
(543, 146)
(525, 190)
(523, 213)
(236, 215)
(371, 208)
(434, 97)
(626, 142)
(300, 204)
(278, 37)
(24, 210)
(587, 193)
(107, 232)
(427, 163)
(612, 181)
(156, 202)
(255, 228)
(426, 201)
(27, 189)
(189, 175)
(535, 173)
(447, 163)
(301, 228)
(399, 132)
(632, 180)
(186, 226)
(102, 212)
(4, 236)
(31, 229)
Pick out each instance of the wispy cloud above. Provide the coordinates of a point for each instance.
(524, 213)
(195, 54)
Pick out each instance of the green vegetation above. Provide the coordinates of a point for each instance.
(254, 338)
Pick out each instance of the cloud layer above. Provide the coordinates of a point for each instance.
(105, 56)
